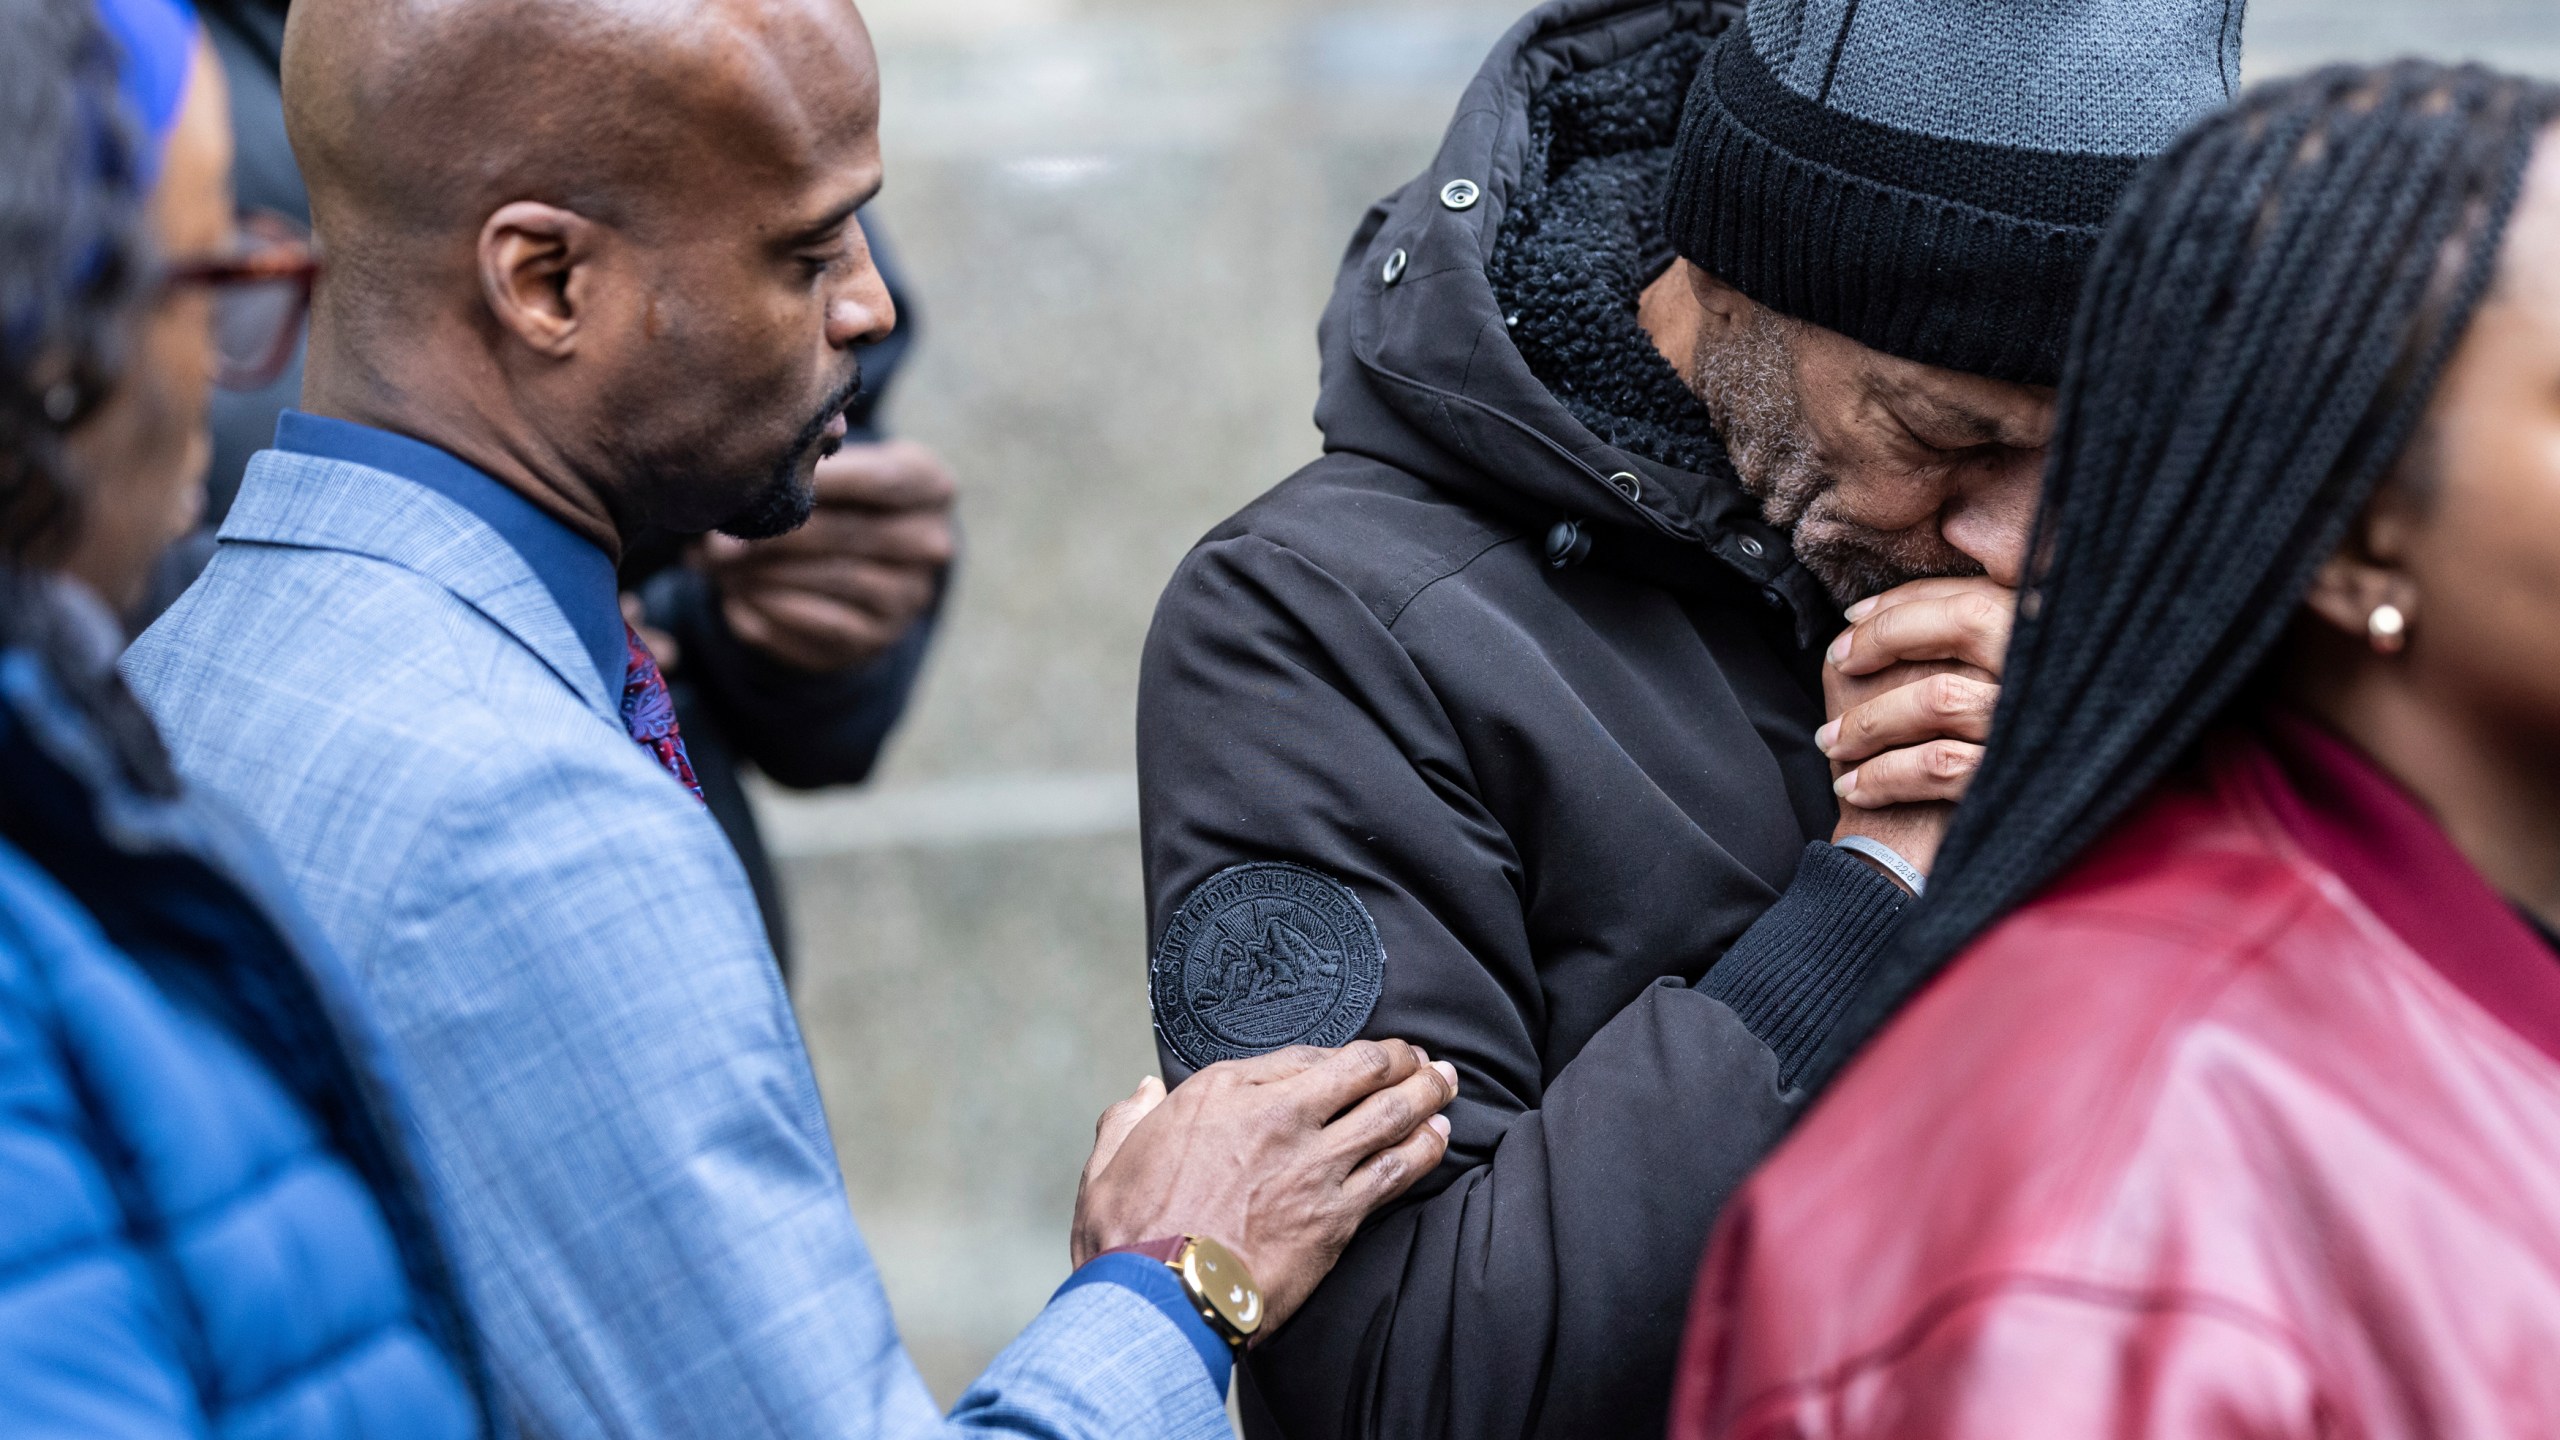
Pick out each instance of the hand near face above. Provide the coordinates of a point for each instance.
(842, 589)
(1279, 1158)
(1910, 687)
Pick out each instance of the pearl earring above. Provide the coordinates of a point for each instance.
(2388, 629)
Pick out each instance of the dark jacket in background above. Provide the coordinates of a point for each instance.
(1570, 801)
(735, 706)
(211, 1224)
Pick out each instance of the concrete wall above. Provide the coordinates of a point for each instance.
(1123, 217)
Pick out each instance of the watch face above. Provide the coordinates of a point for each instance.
(1219, 1279)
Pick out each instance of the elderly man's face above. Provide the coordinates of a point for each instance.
(1883, 469)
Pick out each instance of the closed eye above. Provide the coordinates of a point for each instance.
(1943, 446)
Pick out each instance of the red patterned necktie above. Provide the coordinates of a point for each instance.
(649, 713)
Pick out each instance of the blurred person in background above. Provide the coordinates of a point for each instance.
(797, 654)
(1503, 725)
(2217, 1091)
(208, 1219)
(595, 280)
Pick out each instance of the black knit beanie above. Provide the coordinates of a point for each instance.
(1929, 177)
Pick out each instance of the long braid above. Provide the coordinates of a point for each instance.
(2262, 330)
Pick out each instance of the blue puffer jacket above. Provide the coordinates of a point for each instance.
(206, 1228)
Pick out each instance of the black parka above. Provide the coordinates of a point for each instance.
(1575, 801)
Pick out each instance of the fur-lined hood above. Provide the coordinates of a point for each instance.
(1482, 332)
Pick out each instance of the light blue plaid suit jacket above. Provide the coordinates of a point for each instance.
(563, 950)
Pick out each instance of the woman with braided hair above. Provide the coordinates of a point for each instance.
(2214, 1089)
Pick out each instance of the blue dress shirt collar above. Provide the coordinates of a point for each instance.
(579, 576)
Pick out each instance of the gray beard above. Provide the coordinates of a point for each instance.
(1749, 386)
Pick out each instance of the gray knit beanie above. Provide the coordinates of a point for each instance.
(1929, 177)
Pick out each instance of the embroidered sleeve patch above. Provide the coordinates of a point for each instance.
(1262, 957)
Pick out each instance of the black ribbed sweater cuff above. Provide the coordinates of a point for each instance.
(1795, 969)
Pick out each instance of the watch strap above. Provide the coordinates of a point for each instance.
(1178, 1254)
(1166, 1251)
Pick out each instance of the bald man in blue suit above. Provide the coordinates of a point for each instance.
(596, 278)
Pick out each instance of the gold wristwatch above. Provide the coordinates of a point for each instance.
(1221, 1289)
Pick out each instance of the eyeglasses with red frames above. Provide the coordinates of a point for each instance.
(260, 297)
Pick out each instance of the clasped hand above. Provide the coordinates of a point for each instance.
(1910, 687)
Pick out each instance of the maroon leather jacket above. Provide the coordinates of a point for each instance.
(2248, 1126)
